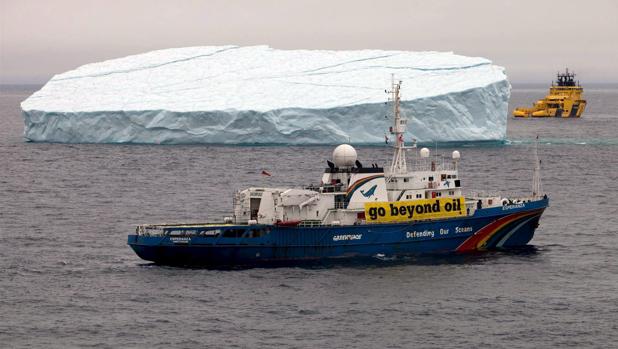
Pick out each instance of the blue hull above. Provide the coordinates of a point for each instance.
(488, 229)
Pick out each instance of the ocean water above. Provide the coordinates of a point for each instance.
(68, 279)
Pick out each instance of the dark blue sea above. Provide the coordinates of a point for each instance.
(68, 279)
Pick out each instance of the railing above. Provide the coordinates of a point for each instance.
(435, 163)
(511, 198)
(310, 223)
(339, 205)
(325, 188)
(486, 194)
(165, 229)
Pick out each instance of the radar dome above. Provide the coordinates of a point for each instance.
(344, 156)
(456, 155)
(424, 153)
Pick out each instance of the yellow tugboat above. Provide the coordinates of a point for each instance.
(564, 100)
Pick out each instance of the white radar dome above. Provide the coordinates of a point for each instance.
(424, 153)
(344, 156)
(456, 155)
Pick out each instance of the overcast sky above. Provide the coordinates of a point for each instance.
(531, 38)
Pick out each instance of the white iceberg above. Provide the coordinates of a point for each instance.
(235, 95)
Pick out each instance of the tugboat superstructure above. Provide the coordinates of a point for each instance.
(357, 210)
(564, 100)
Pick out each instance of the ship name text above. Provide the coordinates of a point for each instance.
(512, 207)
(180, 239)
(346, 237)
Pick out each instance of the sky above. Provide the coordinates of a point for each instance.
(532, 39)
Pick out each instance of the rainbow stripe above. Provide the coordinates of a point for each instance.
(479, 241)
(359, 183)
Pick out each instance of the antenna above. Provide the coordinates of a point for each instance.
(436, 152)
(536, 175)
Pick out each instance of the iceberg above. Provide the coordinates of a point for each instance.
(261, 95)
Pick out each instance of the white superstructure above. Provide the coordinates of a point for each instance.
(347, 185)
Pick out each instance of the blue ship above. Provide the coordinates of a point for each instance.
(355, 212)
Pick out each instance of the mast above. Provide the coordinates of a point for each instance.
(398, 165)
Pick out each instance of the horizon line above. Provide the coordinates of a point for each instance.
(511, 82)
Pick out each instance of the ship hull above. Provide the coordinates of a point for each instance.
(488, 229)
(576, 111)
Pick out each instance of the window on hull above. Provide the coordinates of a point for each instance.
(246, 233)
(257, 232)
(233, 233)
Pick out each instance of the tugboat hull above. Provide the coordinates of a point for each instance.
(488, 229)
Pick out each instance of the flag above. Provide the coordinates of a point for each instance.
(264, 173)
